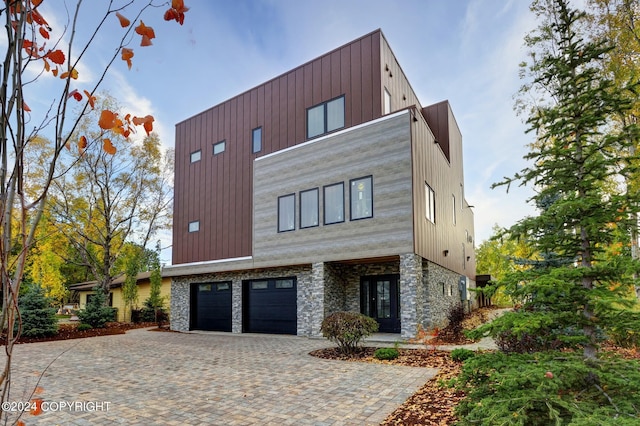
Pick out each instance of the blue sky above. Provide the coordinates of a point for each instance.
(466, 51)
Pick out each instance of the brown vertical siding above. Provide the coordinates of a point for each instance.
(217, 190)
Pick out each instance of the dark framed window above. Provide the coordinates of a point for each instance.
(453, 200)
(386, 102)
(430, 199)
(333, 196)
(256, 140)
(309, 207)
(325, 117)
(284, 283)
(259, 285)
(219, 147)
(196, 156)
(361, 195)
(194, 226)
(287, 213)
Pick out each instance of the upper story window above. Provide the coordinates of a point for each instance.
(309, 208)
(287, 213)
(453, 198)
(219, 147)
(361, 194)
(386, 102)
(256, 140)
(194, 226)
(196, 156)
(325, 117)
(430, 208)
(333, 203)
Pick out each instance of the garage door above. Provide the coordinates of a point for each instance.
(211, 306)
(269, 306)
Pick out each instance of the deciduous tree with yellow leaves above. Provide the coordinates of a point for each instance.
(33, 47)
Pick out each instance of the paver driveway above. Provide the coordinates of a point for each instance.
(153, 378)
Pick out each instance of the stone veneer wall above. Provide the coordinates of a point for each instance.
(325, 288)
(411, 294)
(181, 295)
(437, 301)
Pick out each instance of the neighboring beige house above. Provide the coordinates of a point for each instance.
(85, 291)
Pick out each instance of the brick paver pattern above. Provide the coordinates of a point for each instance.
(156, 378)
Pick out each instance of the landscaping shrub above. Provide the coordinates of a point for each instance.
(97, 313)
(462, 354)
(150, 314)
(83, 327)
(455, 316)
(386, 353)
(549, 388)
(37, 314)
(527, 331)
(347, 329)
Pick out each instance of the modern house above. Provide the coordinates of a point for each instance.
(327, 188)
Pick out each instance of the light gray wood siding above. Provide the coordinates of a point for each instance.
(381, 149)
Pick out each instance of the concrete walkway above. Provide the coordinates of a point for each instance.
(161, 378)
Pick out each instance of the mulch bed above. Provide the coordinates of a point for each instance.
(70, 331)
(432, 404)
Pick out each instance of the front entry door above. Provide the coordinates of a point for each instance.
(379, 299)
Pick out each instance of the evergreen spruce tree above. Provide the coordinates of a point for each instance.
(577, 171)
(37, 313)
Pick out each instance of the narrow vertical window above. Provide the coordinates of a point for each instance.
(430, 208)
(335, 114)
(315, 121)
(194, 226)
(387, 102)
(453, 197)
(309, 208)
(196, 156)
(333, 203)
(361, 194)
(256, 140)
(219, 147)
(286, 213)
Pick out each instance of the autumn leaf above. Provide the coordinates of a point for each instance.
(124, 22)
(127, 54)
(146, 121)
(38, 390)
(25, 107)
(107, 120)
(108, 147)
(73, 73)
(82, 143)
(176, 12)
(44, 33)
(37, 410)
(91, 99)
(36, 3)
(146, 41)
(147, 34)
(47, 67)
(76, 95)
(56, 56)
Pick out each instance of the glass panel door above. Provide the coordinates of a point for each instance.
(379, 299)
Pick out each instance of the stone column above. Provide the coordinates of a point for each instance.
(180, 306)
(316, 299)
(410, 292)
(236, 305)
